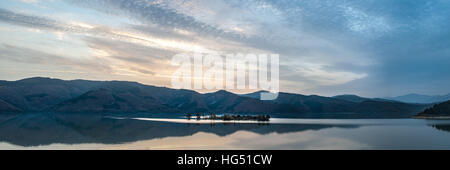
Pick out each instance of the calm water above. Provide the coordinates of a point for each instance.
(56, 131)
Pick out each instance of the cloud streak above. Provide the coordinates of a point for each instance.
(31, 56)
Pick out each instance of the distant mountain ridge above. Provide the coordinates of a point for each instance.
(84, 96)
(418, 98)
(355, 98)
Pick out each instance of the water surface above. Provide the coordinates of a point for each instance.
(86, 131)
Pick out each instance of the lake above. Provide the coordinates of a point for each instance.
(145, 131)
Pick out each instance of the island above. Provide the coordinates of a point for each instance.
(229, 117)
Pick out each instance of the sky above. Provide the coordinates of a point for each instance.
(372, 48)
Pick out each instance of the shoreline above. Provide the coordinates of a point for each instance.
(437, 117)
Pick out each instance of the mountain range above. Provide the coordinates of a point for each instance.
(355, 98)
(83, 96)
(419, 98)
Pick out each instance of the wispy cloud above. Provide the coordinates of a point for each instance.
(166, 28)
(30, 1)
(35, 57)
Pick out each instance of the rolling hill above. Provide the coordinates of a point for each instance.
(442, 109)
(83, 96)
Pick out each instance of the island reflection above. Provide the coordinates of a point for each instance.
(47, 128)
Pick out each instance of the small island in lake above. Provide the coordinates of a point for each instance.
(228, 117)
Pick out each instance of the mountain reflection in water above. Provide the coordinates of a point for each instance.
(159, 131)
(46, 128)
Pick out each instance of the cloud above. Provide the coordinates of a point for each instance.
(166, 29)
(132, 57)
(365, 24)
(35, 57)
(148, 12)
(30, 1)
(27, 21)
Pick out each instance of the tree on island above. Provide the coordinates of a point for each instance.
(228, 117)
(198, 116)
(213, 116)
(188, 116)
